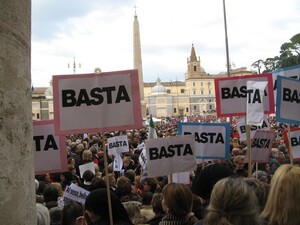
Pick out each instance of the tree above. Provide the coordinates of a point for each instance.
(289, 56)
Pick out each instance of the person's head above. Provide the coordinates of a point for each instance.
(259, 189)
(130, 174)
(124, 186)
(239, 162)
(156, 204)
(147, 198)
(43, 215)
(87, 155)
(177, 199)
(50, 194)
(88, 176)
(58, 188)
(70, 212)
(150, 184)
(96, 207)
(232, 201)
(282, 206)
(204, 181)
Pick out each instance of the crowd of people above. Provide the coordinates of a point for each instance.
(219, 192)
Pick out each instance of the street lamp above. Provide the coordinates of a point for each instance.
(74, 65)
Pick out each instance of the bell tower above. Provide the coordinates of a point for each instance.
(194, 66)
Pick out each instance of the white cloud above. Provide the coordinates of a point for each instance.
(101, 35)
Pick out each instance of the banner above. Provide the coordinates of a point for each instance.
(75, 193)
(241, 127)
(89, 103)
(117, 145)
(261, 146)
(255, 102)
(50, 154)
(231, 94)
(294, 140)
(170, 155)
(288, 100)
(212, 140)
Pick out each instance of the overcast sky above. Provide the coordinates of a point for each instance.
(99, 33)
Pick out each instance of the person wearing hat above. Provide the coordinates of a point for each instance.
(97, 211)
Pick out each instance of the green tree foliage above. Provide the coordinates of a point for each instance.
(289, 56)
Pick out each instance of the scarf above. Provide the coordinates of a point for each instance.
(174, 220)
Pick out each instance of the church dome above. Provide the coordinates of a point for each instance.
(202, 70)
(158, 89)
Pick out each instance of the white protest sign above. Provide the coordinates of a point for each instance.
(294, 140)
(170, 155)
(291, 72)
(261, 146)
(241, 127)
(75, 193)
(87, 166)
(118, 162)
(117, 145)
(143, 158)
(255, 102)
(212, 139)
(231, 94)
(90, 103)
(50, 154)
(183, 177)
(288, 100)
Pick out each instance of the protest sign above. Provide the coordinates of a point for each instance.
(88, 103)
(241, 127)
(75, 193)
(87, 166)
(255, 102)
(231, 94)
(118, 162)
(50, 154)
(212, 139)
(288, 100)
(294, 143)
(143, 158)
(291, 72)
(183, 177)
(170, 155)
(117, 145)
(261, 146)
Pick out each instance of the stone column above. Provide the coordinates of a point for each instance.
(17, 190)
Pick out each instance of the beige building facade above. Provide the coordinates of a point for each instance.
(193, 96)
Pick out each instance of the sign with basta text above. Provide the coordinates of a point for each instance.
(212, 140)
(89, 103)
(170, 155)
(50, 154)
(231, 94)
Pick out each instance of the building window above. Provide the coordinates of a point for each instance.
(187, 109)
(195, 68)
(175, 110)
(194, 92)
(195, 107)
(209, 92)
(182, 91)
(194, 84)
(168, 91)
(201, 84)
(37, 115)
(202, 92)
